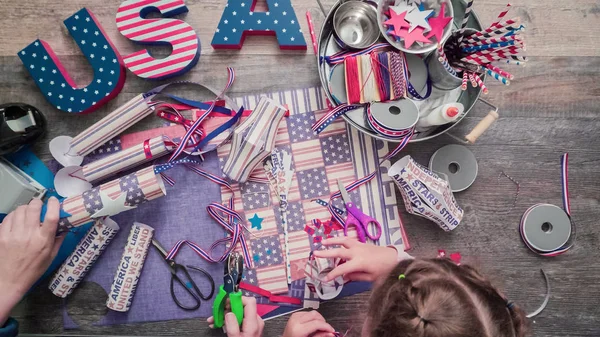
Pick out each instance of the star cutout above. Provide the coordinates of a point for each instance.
(112, 206)
(403, 7)
(256, 221)
(439, 23)
(415, 36)
(418, 18)
(397, 21)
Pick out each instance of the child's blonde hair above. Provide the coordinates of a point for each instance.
(437, 298)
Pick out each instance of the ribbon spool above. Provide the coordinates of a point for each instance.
(545, 228)
(337, 83)
(458, 163)
(394, 119)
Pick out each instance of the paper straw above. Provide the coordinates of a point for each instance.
(465, 20)
(472, 79)
(517, 63)
(141, 186)
(486, 35)
(447, 66)
(465, 80)
(131, 157)
(128, 273)
(311, 29)
(111, 125)
(475, 49)
(481, 84)
(77, 265)
(491, 40)
(499, 71)
(498, 77)
(501, 15)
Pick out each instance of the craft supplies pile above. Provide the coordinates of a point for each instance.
(287, 173)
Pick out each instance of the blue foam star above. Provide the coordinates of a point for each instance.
(256, 221)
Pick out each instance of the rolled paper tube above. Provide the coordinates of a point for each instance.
(117, 195)
(465, 80)
(111, 125)
(482, 126)
(129, 158)
(128, 273)
(77, 265)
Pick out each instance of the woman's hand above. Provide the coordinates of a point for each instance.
(364, 262)
(252, 326)
(308, 323)
(27, 248)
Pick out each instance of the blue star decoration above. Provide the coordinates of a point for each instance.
(55, 83)
(256, 221)
(239, 20)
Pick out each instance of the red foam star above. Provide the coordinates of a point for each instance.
(415, 36)
(439, 23)
(398, 21)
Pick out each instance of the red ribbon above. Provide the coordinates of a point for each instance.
(269, 295)
(147, 150)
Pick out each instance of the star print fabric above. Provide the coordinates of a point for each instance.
(57, 86)
(319, 162)
(240, 19)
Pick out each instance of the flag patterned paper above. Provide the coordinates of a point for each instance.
(319, 161)
(176, 33)
(55, 83)
(239, 20)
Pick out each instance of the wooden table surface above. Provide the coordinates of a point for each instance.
(550, 108)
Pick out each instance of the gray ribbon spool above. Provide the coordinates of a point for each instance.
(397, 115)
(456, 162)
(337, 83)
(547, 227)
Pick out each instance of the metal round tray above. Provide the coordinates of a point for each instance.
(327, 46)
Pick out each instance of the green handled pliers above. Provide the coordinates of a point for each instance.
(234, 268)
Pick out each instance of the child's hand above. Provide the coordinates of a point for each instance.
(27, 248)
(364, 262)
(252, 326)
(308, 323)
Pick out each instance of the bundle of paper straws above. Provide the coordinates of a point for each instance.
(483, 51)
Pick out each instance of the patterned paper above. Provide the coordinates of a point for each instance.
(74, 269)
(239, 20)
(176, 33)
(130, 268)
(55, 83)
(319, 161)
(120, 161)
(141, 186)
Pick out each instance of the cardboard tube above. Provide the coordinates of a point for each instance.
(480, 128)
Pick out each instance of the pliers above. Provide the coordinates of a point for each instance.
(234, 268)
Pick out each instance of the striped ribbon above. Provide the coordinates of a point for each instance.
(340, 56)
(356, 184)
(564, 160)
(411, 89)
(384, 130)
(332, 114)
(225, 215)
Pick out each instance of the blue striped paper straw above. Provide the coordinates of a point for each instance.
(497, 77)
(474, 49)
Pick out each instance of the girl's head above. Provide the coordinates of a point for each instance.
(437, 298)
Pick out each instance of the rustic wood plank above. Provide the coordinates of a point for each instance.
(550, 108)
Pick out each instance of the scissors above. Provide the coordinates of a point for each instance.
(358, 219)
(190, 286)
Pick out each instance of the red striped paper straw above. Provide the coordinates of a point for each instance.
(481, 84)
(311, 29)
(472, 78)
(500, 71)
(498, 39)
(502, 15)
(465, 80)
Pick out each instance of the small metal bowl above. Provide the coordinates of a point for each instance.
(355, 24)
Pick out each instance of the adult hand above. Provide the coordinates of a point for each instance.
(359, 258)
(27, 249)
(252, 326)
(308, 323)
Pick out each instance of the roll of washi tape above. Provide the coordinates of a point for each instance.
(337, 83)
(458, 163)
(111, 198)
(545, 228)
(76, 266)
(394, 119)
(128, 273)
(146, 151)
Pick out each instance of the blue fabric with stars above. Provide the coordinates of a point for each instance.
(239, 20)
(58, 88)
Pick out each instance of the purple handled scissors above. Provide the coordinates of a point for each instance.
(358, 219)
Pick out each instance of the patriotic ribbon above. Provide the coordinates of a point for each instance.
(332, 115)
(225, 215)
(356, 184)
(340, 56)
(411, 89)
(272, 298)
(567, 208)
